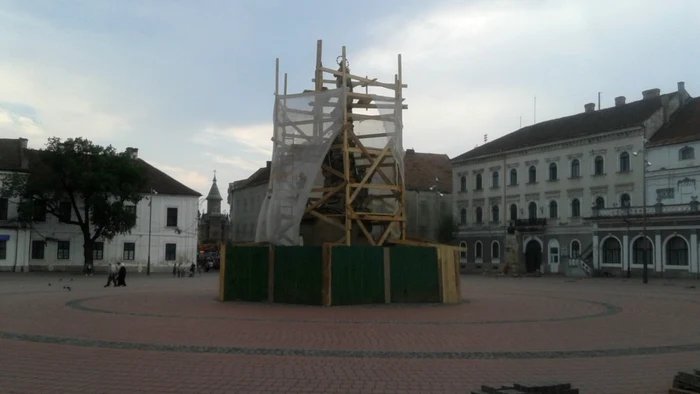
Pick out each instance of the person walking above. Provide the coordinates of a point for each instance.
(121, 276)
(112, 275)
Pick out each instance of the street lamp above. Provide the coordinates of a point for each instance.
(150, 223)
(645, 273)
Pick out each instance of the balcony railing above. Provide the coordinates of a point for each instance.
(658, 209)
(535, 222)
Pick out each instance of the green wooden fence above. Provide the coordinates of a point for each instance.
(414, 274)
(246, 273)
(297, 274)
(357, 275)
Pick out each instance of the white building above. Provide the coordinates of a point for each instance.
(671, 220)
(544, 180)
(48, 245)
(245, 198)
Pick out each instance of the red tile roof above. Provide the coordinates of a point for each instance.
(684, 126)
(422, 169)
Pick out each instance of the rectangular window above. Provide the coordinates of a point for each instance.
(170, 252)
(98, 251)
(38, 250)
(554, 255)
(65, 211)
(129, 251)
(63, 250)
(4, 207)
(3, 250)
(171, 220)
(39, 211)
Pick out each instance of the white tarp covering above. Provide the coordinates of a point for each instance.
(303, 134)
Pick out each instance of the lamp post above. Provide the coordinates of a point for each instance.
(150, 223)
(645, 163)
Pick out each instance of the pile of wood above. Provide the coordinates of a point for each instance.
(686, 383)
(541, 388)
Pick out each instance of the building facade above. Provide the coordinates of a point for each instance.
(245, 198)
(46, 244)
(671, 221)
(428, 193)
(543, 181)
(213, 224)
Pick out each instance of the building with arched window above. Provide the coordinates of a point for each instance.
(573, 170)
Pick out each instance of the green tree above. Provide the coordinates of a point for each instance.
(91, 182)
(447, 229)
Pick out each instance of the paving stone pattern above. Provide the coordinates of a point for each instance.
(162, 334)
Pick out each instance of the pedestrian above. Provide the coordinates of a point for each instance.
(112, 275)
(174, 269)
(121, 276)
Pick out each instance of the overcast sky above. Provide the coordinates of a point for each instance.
(190, 83)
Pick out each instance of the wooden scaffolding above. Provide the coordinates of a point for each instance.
(381, 178)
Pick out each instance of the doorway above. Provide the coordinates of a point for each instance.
(533, 256)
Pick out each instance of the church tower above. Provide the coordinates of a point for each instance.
(214, 199)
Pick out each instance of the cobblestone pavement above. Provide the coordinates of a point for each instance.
(162, 334)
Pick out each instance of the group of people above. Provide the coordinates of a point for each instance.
(117, 275)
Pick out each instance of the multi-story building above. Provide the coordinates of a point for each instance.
(671, 220)
(428, 193)
(47, 244)
(245, 198)
(543, 181)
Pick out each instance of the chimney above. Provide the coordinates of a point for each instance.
(132, 152)
(590, 107)
(681, 87)
(268, 164)
(23, 143)
(410, 151)
(651, 93)
(619, 101)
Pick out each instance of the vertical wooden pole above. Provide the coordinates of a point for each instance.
(285, 84)
(346, 154)
(398, 126)
(318, 87)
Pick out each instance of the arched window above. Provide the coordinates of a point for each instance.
(625, 200)
(532, 210)
(495, 214)
(463, 184)
(575, 168)
(553, 171)
(479, 215)
(478, 250)
(532, 175)
(575, 249)
(624, 162)
(639, 252)
(495, 250)
(575, 208)
(611, 251)
(600, 203)
(599, 165)
(553, 251)
(686, 153)
(513, 177)
(463, 253)
(494, 179)
(676, 251)
(553, 210)
(463, 216)
(513, 212)
(478, 185)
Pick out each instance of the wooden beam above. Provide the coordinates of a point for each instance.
(327, 220)
(370, 172)
(376, 186)
(364, 81)
(324, 198)
(346, 153)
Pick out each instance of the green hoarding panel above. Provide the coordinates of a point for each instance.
(297, 274)
(357, 275)
(246, 273)
(414, 274)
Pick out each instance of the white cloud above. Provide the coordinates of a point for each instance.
(188, 177)
(236, 162)
(255, 140)
(15, 125)
(473, 68)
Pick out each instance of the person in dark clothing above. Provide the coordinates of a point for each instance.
(121, 276)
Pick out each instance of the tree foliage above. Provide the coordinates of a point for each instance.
(447, 229)
(95, 182)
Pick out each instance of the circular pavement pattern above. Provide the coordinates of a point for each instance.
(604, 336)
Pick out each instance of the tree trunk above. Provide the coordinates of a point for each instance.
(87, 253)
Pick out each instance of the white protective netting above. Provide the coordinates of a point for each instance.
(303, 134)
